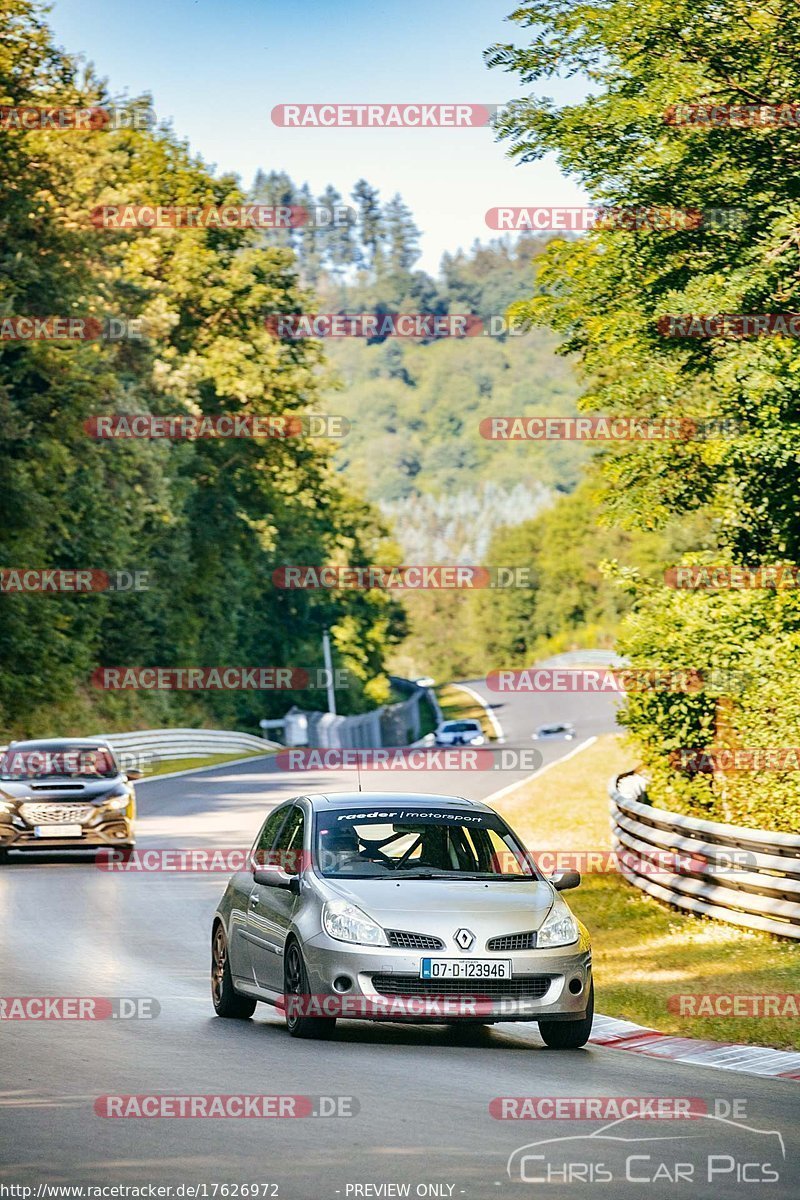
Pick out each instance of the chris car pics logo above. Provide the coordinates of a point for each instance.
(715, 1150)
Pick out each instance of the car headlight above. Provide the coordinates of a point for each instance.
(477, 740)
(560, 928)
(347, 923)
(116, 800)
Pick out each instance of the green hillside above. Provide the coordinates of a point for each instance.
(416, 405)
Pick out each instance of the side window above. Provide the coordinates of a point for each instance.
(288, 852)
(266, 838)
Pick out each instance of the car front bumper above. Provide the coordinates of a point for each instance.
(558, 981)
(114, 831)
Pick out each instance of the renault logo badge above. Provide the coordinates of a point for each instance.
(464, 938)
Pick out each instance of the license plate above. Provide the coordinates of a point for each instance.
(57, 831)
(465, 968)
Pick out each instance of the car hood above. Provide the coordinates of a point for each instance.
(58, 789)
(507, 907)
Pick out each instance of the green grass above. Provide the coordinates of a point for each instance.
(186, 764)
(644, 951)
(458, 705)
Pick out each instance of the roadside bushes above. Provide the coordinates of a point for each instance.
(744, 646)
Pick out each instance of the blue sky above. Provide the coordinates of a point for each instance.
(216, 69)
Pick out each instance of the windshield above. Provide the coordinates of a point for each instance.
(460, 727)
(58, 762)
(418, 844)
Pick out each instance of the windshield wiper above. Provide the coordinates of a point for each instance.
(486, 877)
(424, 874)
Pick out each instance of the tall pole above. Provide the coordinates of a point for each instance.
(326, 658)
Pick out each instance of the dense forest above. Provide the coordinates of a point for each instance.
(734, 500)
(208, 520)
(416, 404)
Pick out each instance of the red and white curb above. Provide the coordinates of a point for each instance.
(614, 1034)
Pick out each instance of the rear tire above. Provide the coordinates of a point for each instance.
(569, 1035)
(295, 983)
(227, 1001)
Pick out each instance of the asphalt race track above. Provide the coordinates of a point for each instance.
(420, 1096)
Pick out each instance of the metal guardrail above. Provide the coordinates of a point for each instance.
(390, 725)
(332, 732)
(155, 745)
(401, 723)
(757, 888)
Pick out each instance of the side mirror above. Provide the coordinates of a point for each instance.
(134, 774)
(275, 877)
(565, 880)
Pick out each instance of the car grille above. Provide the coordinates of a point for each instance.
(513, 941)
(524, 987)
(413, 941)
(56, 814)
(58, 787)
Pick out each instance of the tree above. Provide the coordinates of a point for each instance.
(606, 292)
(311, 242)
(370, 223)
(209, 520)
(275, 189)
(401, 236)
(340, 247)
(609, 295)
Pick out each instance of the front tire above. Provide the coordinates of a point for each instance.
(227, 1001)
(295, 983)
(569, 1035)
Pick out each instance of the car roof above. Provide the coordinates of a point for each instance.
(320, 801)
(60, 743)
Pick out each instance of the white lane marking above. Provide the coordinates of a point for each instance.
(496, 726)
(512, 787)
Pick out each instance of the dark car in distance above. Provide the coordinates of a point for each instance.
(65, 794)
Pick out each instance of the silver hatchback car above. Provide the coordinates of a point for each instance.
(397, 907)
